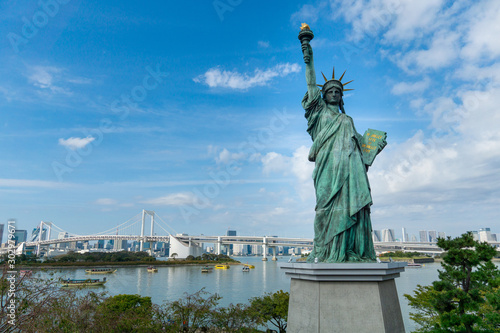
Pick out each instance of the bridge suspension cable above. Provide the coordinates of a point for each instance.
(167, 225)
(110, 231)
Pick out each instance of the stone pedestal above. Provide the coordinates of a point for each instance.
(351, 297)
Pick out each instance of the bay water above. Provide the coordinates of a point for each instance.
(233, 285)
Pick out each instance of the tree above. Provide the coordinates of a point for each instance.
(190, 313)
(273, 308)
(125, 313)
(234, 318)
(466, 297)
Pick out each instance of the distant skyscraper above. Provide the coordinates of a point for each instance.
(1, 233)
(414, 239)
(20, 236)
(475, 235)
(376, 236)
(388, 235)
(62, 235)
(423, 236)
(100, 244)
(441, 234)
(405, 235)
(485, 235)
(230, 247)
(432, 236)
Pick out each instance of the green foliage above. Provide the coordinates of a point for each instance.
(122, 256)
(42, 306)
(126, 313)
(466, 296)
(401, 254)
(192, 312)
(273, 308)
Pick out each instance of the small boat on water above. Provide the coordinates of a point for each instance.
(82, 282)
(249, 266)
(414, 265)
(25, 273)
(152, 269)
(100, 271)
(246, 269)
(207, 269)
(222, 267)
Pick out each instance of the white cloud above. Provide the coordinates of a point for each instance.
(225, 156)
(298, 165)
(442, 52)
(215, 77)
(175, 199)
(263, 44)
(406, 87)
(482, 31)
(76, 143)
(401, 20)
(307, 14)
(106, 201)
(4, 182)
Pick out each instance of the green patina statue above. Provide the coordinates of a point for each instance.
(342, 226)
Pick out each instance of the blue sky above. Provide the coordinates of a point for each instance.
(192, 110)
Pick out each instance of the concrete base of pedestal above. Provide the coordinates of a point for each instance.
(344, 298)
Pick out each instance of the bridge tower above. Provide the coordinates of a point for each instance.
(41, 233)
(152, 214)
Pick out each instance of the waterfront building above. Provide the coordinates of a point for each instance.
(376, 236)
(424, 238)
(62, 235)
(121, 245)
(230, 247)
(405, 235)
(485, 235)
(240, 249)
(388, 235)
(20, 236)
(432, 236)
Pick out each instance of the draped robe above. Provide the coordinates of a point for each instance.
(342, 226)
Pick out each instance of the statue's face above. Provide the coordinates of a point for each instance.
(333, 96)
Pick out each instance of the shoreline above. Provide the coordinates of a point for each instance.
(122, 265)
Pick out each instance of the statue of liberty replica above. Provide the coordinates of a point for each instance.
(342, 226)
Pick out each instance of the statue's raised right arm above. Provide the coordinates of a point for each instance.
(310, 73)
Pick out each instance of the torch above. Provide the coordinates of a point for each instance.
(305, 36)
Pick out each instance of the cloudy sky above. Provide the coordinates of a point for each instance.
(192, 110)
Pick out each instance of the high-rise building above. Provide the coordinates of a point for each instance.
(441, 234)
(62, 235)
(230, 247)
(475, 235)
(100, 244)
(376, 236)
(405, 235)
(413, 239)
(388, 235)
(20, 236)
(1, 233)
(424, 238)
(485, 235)
(432, 236)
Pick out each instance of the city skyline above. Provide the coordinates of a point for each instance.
(110, 107)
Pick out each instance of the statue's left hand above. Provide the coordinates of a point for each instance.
(381, 145)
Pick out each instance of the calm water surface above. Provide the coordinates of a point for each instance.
(235, 286)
